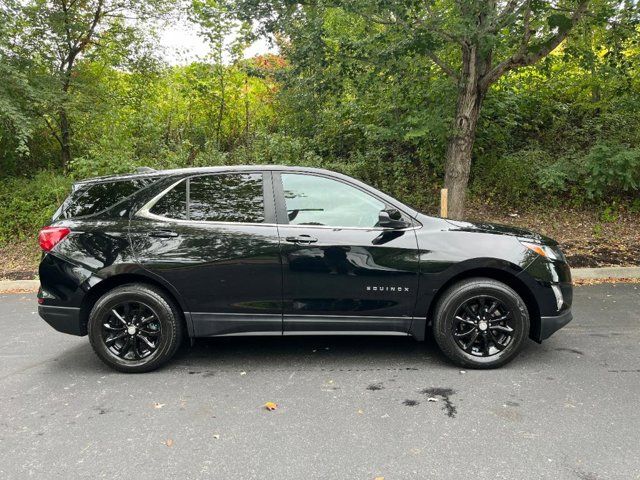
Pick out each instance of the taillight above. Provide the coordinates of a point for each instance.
(49, 237)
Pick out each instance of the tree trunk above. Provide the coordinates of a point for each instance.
(65, 140)
(459, 149)
(65, 124)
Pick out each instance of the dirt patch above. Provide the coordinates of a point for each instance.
(19, 261)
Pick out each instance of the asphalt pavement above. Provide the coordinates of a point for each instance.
(348, 407)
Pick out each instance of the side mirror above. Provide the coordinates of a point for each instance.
(391, 218)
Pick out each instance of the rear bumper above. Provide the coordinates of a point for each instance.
(63, 319)
(550, 325)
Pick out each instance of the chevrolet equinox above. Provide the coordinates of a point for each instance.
(139, 262)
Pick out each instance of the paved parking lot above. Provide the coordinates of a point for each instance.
(348, 407)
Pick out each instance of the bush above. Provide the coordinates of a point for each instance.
(514, 177)
(611, 170)
(276, 149)
(402, 177)
(26, 204)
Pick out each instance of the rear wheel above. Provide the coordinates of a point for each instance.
(481, 323)
(135, 328)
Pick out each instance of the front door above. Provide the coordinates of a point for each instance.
(213, 238)
(341, 272)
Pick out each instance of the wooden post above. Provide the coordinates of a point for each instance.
(444, 194)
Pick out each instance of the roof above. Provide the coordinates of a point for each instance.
(197, 170)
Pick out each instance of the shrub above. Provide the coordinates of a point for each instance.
(26, 204)
(512, 177)
(611, 170)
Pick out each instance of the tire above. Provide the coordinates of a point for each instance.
(472, 322)
(151, 311)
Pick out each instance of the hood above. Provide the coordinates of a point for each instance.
(497, 229)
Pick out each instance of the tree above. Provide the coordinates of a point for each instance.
(227, 40)
(474, 42)
(55, 35)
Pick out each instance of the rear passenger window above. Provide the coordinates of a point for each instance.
(227, 198)
(93, 198)
(215, 198)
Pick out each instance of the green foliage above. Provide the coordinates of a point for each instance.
(609, 214)
(611, 170)
(514, 176)
(29, 203)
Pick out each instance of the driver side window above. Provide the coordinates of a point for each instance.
(314, 200)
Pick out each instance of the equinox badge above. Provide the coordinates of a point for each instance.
(386, 289)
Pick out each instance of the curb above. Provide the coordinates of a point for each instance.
(610, 273)
(19, 286)
(605, 272)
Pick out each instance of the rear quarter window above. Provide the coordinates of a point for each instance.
(93, 198)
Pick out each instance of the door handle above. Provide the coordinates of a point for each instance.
(163, 234)
(302, 239)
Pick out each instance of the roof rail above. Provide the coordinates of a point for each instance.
(145, 170)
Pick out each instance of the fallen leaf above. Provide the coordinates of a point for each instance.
(360, 412)
(158, 405)
(168, 442)
(379, 478)
(270, 406)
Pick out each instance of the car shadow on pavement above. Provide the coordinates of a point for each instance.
(342, 353)
(320, 352)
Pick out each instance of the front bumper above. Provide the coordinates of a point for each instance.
(550, 325)
(63, 319)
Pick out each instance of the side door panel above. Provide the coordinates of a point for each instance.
(349, 280)
(345, 279)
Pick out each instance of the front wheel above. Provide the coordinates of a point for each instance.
(135, 328)
(481, 323)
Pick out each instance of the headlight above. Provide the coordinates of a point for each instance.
(552, 253)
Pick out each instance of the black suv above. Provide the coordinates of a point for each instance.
(140, 261)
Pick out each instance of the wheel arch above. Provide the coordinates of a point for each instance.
(504, 276)
(109, 283)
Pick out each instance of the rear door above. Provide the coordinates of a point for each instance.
(214, 239)
(341, 272)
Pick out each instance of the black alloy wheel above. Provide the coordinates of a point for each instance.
(480, 323)
(132, 331)
(135, 328)
(481, 326)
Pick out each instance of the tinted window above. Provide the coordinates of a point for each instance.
(227, 198)
(313, 200)
(93, 198)
(174, 203)
(215, 198)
